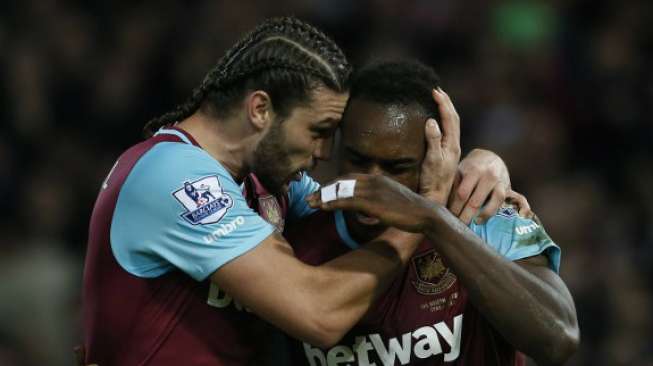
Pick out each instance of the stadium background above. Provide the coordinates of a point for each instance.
(562, 90)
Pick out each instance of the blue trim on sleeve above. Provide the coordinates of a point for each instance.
(501, 233)
(343, 232)
(515, 238)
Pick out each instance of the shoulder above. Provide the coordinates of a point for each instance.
(172, 157)
(517, 237)
(505, 222)
(297, 190)
(167, 166)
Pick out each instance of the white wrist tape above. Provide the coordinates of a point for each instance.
(346, 188)
(328, 193)
(339, 189)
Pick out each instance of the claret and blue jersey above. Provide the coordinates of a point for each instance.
(174, 206)
(167, 217)
(425, 317)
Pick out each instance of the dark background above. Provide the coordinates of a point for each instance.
(562, 90)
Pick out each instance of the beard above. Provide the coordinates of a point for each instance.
(271, 163)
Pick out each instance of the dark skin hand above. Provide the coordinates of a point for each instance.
(525, 300)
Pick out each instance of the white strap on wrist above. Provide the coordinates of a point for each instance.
(339, 189)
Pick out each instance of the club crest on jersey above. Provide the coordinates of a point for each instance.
(432, 276)
(270, 210)
(204, 200)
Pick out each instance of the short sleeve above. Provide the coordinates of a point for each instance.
(297, 192)
(180, 209)
(515, 237)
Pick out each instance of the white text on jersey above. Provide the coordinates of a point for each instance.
(526, 229)
(427, 345)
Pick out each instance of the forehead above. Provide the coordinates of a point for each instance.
(381, 130)
(328, 104)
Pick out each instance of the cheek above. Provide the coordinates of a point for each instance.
(300, 145)
(346, 167)
(410, 179)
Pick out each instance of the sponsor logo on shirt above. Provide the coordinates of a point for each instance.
(204, 200)
(432, 276)
(423, 342)
(224, 230)
(526, 229)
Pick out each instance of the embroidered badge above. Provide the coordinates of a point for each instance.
(270, 210)
(433, 277)
(204, 200)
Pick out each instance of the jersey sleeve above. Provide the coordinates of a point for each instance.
(180, 209)
(515, 237)
(297, 192)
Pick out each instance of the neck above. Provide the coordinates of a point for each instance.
(226, 140)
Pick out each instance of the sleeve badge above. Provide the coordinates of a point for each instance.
(204, 200)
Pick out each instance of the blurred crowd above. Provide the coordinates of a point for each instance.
(562, 90)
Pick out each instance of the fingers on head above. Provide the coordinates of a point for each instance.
(432, 130)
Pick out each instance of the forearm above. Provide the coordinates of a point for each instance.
(528, 311)
(349, 284)
(316, 304)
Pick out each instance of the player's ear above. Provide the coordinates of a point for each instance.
(259, 109)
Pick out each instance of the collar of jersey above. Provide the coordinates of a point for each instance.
(170, 131)
(343, 232)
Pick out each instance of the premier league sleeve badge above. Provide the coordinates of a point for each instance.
(204, 200)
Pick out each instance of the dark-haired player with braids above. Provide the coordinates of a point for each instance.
(189, 220)
(469, 295)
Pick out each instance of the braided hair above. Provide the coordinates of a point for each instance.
(286, 57)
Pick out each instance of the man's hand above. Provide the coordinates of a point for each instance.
(396, 205)
(482, 181)
(379, 196)
(521, 204)
(442, 151)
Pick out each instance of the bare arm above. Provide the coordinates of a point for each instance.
(317, 304)
(320, 304)
(526, 301)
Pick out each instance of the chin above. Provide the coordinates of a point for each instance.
(366, 221)
(363, 225)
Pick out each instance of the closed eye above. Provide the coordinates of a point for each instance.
(356, 158)
(398, 169)
(322, 132)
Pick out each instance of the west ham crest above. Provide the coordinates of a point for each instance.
(204, 200)
(432, 276)
(269, 209)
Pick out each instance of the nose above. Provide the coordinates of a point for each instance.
(323, 149)
(374, 169)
